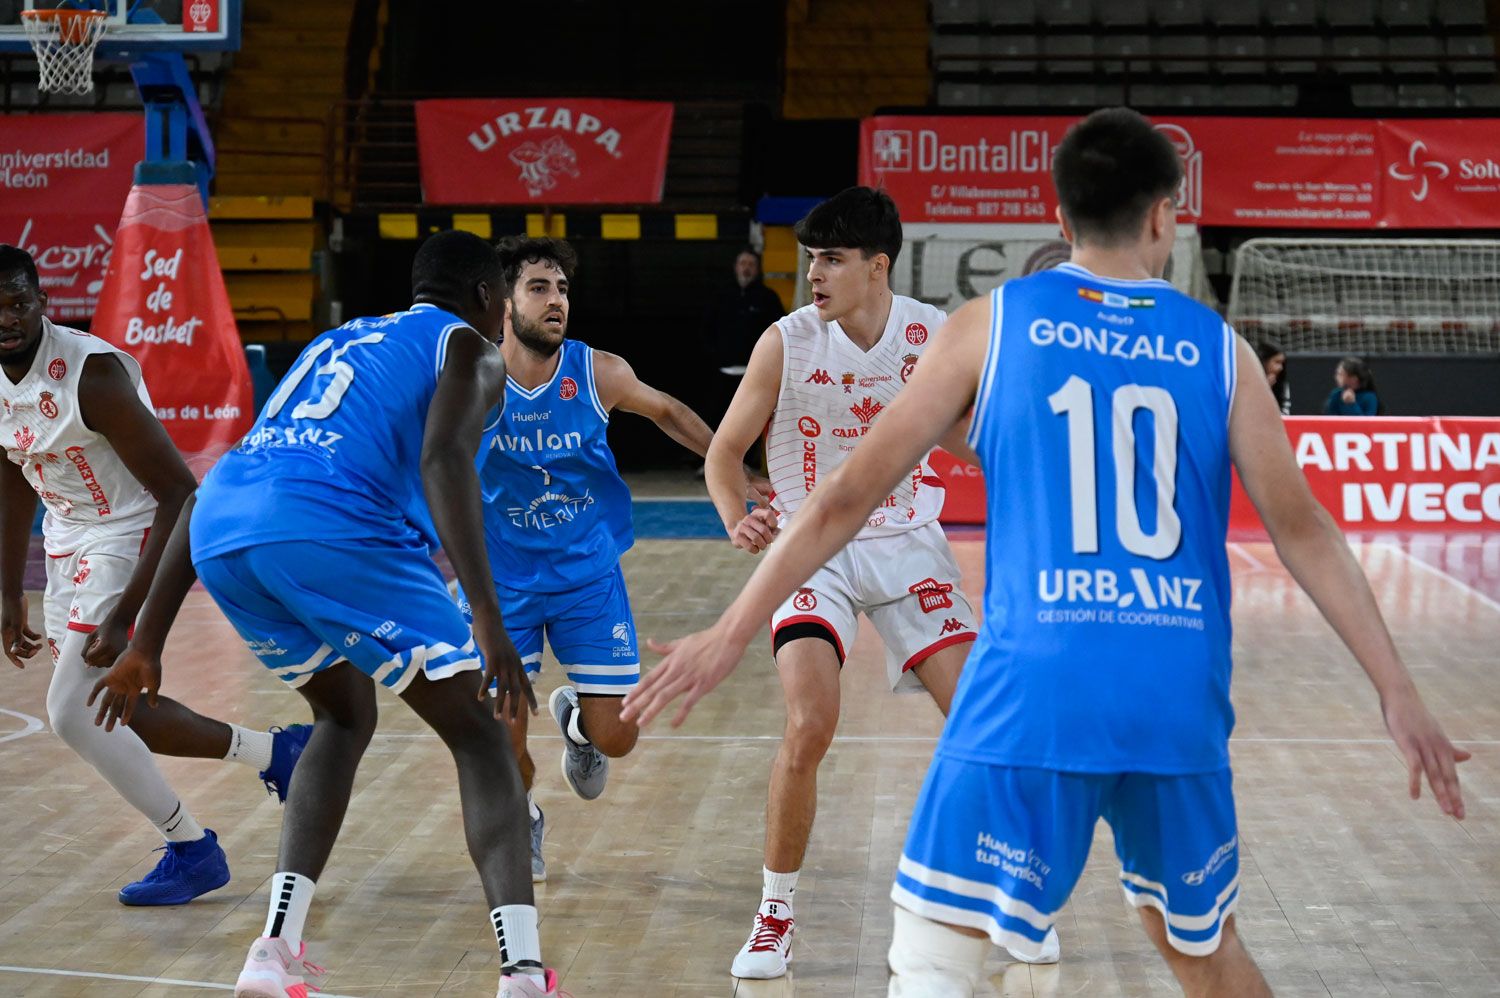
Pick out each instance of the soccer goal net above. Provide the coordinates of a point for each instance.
(1369, 296)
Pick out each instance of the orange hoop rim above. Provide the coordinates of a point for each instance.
(63, 14)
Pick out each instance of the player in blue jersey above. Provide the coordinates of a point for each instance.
(1108, 409)
(313, 536)
(557, 515)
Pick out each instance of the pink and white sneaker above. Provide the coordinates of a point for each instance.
(525, 987)
(272, 971)
(768, 951)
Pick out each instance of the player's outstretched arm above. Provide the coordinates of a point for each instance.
(1312, 548)
(724, 466)
(137, 670)
(470, 385)
(111, 406)
(941, 390)
(17, 511)
(620, 388)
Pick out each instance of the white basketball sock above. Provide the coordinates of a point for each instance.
(931, 960)
(253, 748)
(291, 897)
(180, 826)
(520, 943)
(778, 886)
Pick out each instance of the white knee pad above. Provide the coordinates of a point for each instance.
(932, 960)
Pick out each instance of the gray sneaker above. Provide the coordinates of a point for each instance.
(584, 767)
(538, 832)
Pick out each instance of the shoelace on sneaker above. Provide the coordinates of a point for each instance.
(768, 934)
(165, 866)
(593, 761)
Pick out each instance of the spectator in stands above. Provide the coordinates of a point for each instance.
(1273, 361)
(736, 317)
(1355, 394)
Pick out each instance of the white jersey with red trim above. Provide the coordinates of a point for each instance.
(831, 393)
(85, 486)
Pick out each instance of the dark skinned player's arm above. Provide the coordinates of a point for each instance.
(111, 407)
(17, 510)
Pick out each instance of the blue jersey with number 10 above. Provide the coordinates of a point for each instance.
(336, 451)
(1102, 425)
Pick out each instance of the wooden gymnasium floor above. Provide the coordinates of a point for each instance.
(1349, 888)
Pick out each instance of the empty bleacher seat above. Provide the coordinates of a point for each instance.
(1068, 54)
(1013, 95)
(1346, 14)
(1373, 95)
(1471, 56)
(1124, 15)
(1415, 55)
(1010, 13)
(957, 53)
(1234, 13)
(1357, 55)
(1298, 15)
(1486, 95)
(956, 12)
(1177, 13)
(952, 93)
(1255, 95)
(1017, 54)
(1240, 55)
(1125, 54)
(1423, 95)
(1068, 13)
(1296, 55)
(1453, 14)
(1404, 14)
(1071, 95)
(1182, 55)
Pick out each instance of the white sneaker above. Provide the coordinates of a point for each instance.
(273, 971)
(1051, 950)
(525, 987)
(768, 951)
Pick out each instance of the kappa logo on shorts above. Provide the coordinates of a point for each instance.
(568, 389)
(933, 595)
(953, 625)
(805, 600)
(1214, 865)
(352, 638)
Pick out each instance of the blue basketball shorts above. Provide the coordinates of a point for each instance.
(590, 629)
(302, 606)
(1000, 848)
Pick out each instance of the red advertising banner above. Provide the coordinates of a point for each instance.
(1435, 473)
(164, 303)
(63, 181)
(1280, 172)
(561, 150)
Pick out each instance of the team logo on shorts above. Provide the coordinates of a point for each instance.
(916, 334)
(933, 595)
(805, 600)
(351, 639)
(908, 365)
(47, 407)
(809, 426)
(568, 389)
(57, 369)
(83, 572)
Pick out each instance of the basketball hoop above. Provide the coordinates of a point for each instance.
(64, 42)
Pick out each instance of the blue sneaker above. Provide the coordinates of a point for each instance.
(187, 870)
(286, 748)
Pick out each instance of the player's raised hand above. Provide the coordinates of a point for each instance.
(756, 531)
(693, 666)
(502, 670)
(20, 641)
(1427, 750)
(135, 672)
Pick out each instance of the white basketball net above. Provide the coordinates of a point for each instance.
(64, 43)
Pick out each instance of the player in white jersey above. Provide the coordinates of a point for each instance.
(821, 377)
(1122, 714)
(79, 433)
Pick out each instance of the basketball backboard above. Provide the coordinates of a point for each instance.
(139, 25)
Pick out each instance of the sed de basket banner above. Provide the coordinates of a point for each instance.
(551, 151)
(1277, 172)
(63, 181)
